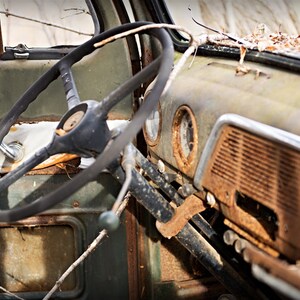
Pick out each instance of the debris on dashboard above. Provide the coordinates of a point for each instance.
(261, 39)
(243, 69)
(275, 42)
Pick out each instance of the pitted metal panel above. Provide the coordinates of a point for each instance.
(35, 253)
(256, 181)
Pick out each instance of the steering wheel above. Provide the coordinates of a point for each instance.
(83, 129)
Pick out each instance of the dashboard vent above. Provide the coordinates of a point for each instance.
(261, 170)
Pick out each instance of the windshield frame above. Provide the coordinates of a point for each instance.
(21, 51)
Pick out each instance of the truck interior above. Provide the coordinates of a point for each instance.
(149, 149)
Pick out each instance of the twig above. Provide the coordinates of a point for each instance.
(10, 293)
(194, 44)
(146, 27)
(190, 50)
(229, 36)
(102, 234)
(79, 11)
(7, 14)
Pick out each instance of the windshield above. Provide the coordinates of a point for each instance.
(45, 23)
(237, 17)
(265, 25)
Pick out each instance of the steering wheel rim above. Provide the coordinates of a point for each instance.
(165, 62)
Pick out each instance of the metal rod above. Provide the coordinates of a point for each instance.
(146, 195)
(197, 245)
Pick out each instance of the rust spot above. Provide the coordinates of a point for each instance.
(13, 129)
(113, 115)
(34, 120)
(190, 207)
(251, 239)
(76, 203)
(64, 164)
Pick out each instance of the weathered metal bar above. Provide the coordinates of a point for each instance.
(146, 195)
(196, 244)
(172, 193)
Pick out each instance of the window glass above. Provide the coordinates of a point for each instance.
(240, 17)
(45, 23)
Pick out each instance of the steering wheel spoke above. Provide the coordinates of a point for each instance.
(22, 169)
(69, 85)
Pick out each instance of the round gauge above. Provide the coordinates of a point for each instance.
(152, 127)
(186, 134)
(185, 137)
(73, 120)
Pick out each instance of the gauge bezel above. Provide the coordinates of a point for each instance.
(153, 139)
(184, 160)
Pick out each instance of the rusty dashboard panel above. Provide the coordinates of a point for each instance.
(255, 181)
(36, 251)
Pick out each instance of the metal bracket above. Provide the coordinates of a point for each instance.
(21, 52)
(191, 206)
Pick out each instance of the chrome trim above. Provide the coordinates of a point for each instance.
(274, 282)
(13, 150)
(270, 133)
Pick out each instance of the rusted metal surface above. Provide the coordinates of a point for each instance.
(256, 182)
(183, 277)
(132, 250)
(278, 268)
(191, 206)
(165, 269)
(36, 251)
(33, 120)
(217, 265)
(64, 164)
(251, 239)
(177, 264)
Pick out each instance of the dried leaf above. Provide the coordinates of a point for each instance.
(242, 70)
(264, 40)
(243, 51)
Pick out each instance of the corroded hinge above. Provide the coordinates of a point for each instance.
(191, 206)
